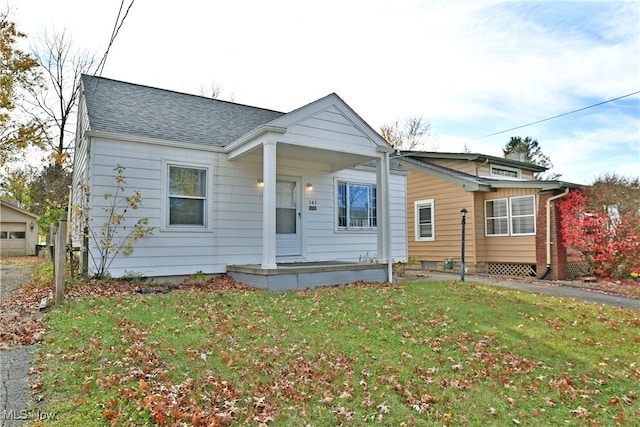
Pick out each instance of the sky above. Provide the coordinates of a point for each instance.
(469, 68)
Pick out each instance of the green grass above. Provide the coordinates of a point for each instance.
(444, 353)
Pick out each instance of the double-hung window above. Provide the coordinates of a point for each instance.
(356, 206)
(523, 215)
(515, 216)
(187, 196)
(424, 216)
(496, 217)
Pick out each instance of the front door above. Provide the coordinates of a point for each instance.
(288, 216)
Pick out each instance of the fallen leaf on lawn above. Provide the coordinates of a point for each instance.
(383, 408)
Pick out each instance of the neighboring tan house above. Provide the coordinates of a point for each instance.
(506, 219)
(18, 230)
(276, 200)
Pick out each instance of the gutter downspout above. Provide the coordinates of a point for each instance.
(548, 233)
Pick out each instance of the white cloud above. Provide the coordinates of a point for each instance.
(470, 68)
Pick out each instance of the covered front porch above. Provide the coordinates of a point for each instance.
(306, 275)
(300, 228)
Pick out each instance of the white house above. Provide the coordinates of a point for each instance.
(268, 197)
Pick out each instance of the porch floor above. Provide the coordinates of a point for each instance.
(305, 275)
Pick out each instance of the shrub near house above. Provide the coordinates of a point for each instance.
(606, 239)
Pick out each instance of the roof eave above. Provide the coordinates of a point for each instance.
(153, 141)
(537, 184)
(469, 184)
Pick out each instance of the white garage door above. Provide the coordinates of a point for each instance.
(13, 240)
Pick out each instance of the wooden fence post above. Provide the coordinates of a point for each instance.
(85, 251)
(50, 240)
(60, 259)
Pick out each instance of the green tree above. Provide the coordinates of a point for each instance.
(528, 150)
(613, 192)
(49, 189)
(44, 192)
(18, 72)
(16, 185)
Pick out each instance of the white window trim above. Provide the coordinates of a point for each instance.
(486, 218)
(511, 216)
(164, 204)
(340, 229)
(506, 168)
(416, 213)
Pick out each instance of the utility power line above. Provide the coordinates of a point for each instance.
(116, 28)
(556, 116)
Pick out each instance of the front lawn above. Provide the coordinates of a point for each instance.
(418, 353)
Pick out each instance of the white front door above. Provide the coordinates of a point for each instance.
(288, 216)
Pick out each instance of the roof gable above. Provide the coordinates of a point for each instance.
(331, 109)
(8, 205)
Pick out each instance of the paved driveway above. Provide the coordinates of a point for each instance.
(14, 362)
(557, 289)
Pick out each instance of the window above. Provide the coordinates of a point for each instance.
(286, 207)
(187, 196)
(17, 234)
(356, 206)
(424, 214)
(505, 171)
(519, 219)
(496, 217)
(3, 235)
(523, 215)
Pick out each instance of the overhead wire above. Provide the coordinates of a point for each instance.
(116, 29)
(555, 117)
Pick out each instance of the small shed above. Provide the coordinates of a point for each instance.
(18, 230)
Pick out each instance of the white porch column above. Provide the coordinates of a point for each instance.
(383, 210)
(269, 204)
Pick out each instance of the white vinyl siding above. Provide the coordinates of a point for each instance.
(424, 220)
(234, 214)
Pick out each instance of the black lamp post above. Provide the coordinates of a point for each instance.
(463, 213)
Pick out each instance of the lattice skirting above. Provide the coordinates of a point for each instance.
(505, 269)
(577, 269)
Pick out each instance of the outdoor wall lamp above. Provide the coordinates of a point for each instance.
(31, 226)
(260, 183)
(463, 214)
(309, 187)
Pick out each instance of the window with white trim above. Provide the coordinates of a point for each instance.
(187, 196)
(356, 206)
(515, 216)
(424, 220)
(496, 217)
(523, 215)
(505, 171)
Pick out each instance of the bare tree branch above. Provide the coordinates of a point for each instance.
(53, 105)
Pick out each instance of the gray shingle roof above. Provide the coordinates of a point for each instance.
(125, 108)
